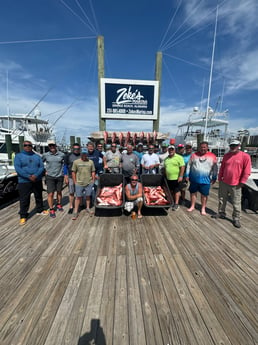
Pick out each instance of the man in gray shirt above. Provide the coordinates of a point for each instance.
(54, 162)
(130, 163)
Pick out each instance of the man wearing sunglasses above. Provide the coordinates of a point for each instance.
(68, 163)
(54, 161)
(30, 168)
(133, 192)
(233, 174)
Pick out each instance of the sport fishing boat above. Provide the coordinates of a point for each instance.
(216, 134)
(29, 126)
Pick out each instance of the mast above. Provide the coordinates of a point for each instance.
(7, 99)
(211, 70)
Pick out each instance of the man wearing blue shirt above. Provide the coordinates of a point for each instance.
(30, 168)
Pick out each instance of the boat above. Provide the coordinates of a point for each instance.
(29, 127)
(207, 125)
(194, 128)
(8, 180)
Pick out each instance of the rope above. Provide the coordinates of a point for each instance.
(48, 40)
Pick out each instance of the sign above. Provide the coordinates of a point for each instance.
(129, 99)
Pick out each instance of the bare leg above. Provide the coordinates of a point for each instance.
(140, 209)
(59, 197)
(204, 203)
(176, 198)
(50, 200)
(193, 201)
(71, 200)
(76, 204)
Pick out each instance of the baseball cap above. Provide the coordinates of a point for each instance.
(234, 142)
(180, 146)
(188, 145)
(171, 147)
(164, 145)
(51, 142)
(140, 144)
(84, 151)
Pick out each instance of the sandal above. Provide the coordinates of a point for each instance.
(75, 216)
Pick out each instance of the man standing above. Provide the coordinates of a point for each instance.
(162, 156)
(68, 163)
(174, 167)
(83, 173)
(30, 168)
(133, 192)
(234, 172)
(54, 160)
(201, 171)
(184, 183)
(113, 160)
(130, 163)
(150, 161)
(139, 153)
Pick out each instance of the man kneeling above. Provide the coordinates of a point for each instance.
(133, 192)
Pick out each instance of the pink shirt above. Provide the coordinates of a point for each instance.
(235, 168)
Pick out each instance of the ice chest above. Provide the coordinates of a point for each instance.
(110, 180)
(151, 180)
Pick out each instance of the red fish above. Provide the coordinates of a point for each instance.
(105, 134)
(155, 134)
(134, 138)
(127, 140)
(121, 137)
(148, 138)
(113, 139)
(110, 196)
(155, 196)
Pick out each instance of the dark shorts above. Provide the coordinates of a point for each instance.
(54, 183)
(173, 186)
(204, 189)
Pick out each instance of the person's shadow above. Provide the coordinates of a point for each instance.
(95, 336)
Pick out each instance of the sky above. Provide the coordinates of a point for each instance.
(48, 50)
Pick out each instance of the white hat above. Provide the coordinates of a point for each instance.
(172, 147)
(234, 142)
(51, 142)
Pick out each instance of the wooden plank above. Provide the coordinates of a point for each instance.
(121, 329)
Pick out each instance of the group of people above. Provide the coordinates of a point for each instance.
(80, 170)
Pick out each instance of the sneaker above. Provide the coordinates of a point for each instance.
(43, 213)
(175, 207)
(75, 216)
(236, 224)
(52, 213)
(59, 207)
(70, 211)
(23, 221)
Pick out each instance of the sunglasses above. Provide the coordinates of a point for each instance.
(76, 148)
(134, 179)
(27, 145)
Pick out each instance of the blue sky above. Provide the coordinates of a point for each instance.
(66, 69)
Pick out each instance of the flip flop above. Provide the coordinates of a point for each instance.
(139, 216)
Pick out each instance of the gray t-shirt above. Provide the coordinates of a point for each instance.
(54, 163)
(129, 164)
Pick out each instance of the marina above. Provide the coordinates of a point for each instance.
(168, 278)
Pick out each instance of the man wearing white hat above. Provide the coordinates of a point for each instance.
(234, 172)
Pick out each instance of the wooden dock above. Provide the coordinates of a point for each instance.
(176, 278)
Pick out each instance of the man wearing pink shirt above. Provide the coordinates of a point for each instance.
(234, 172)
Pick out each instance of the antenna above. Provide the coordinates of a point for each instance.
(211, 70)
